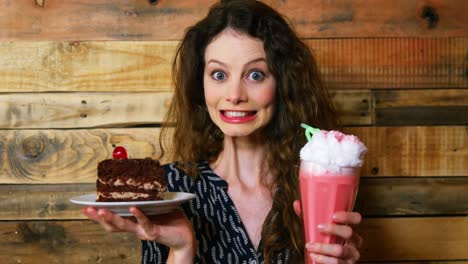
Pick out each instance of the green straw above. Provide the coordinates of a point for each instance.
(309, 131)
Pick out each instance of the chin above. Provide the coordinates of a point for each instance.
(239, 131)
(230, 133)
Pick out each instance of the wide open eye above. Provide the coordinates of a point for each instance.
(218, 75)
(256, 75)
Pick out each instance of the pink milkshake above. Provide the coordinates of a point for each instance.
(328, 178)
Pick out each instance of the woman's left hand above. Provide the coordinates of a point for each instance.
(342, 228)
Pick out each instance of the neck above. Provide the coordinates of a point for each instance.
(243, 162)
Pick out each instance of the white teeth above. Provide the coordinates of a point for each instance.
(235, 114)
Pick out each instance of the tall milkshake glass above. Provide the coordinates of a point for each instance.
(323, 194)
(328, 179)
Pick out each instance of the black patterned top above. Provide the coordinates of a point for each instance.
(221, 236)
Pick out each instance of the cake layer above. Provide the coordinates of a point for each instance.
(138, 169)
(130, 180)
(135, 185)
(128, 196)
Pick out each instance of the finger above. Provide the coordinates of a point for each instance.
(356, 240)
(109, 221)
(93, 214)
(297, 208)
(99, 217)
(119, 222)
(343, 231)
(146, 229)
(350, 218)
(90, 212)
(334, 250)
(112, 222)
(141, 218)
(322, 259)
(354, 253)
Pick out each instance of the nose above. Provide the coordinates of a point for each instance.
(236, 93)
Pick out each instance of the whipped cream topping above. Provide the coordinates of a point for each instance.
(333, 150)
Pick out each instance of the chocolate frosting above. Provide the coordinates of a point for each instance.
(143, 170)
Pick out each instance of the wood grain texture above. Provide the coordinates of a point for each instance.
(414, 151)
(387, 239)
(126, 109)
(65, 242)
(86, 66)
(78, 110)
(389, 63)
(145, 66)
(139, 20)
(354, 107)
(71, 156)
(413, 196)
(410, 239)
(67, 156)
(356, 63)
(99, 20)
(79, 77)
(421, 107)
(376, 197)
(42, 201)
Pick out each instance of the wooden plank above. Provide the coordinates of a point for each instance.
(125, 109)
(376, 197)
(129, 20)
(412, 196)
(71, 156)
(78, 110)
(65, 242)
(421, 107)
(42, 201)
(353, 106)
(414, 151)
(386, 239)
(145, 66)
(99, 20)
(377, 63)
(412, 239)
(67, 156)
(86, 66)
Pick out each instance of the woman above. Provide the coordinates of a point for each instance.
(243, 84)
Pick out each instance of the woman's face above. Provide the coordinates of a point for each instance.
(239, 89)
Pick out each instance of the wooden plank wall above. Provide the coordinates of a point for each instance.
(78, 77)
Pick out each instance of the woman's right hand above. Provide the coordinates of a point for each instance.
(173, 230)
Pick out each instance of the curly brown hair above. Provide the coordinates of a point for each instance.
(191, 136)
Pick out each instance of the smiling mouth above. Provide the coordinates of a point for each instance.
(237, 116)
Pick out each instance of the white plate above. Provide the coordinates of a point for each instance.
(170, 202)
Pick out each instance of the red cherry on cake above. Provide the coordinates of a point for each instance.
(119, 153)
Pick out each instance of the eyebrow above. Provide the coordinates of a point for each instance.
(248, 63)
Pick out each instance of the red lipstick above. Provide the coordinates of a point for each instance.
(237, 117)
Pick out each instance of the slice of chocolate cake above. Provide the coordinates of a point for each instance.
(122, 179)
